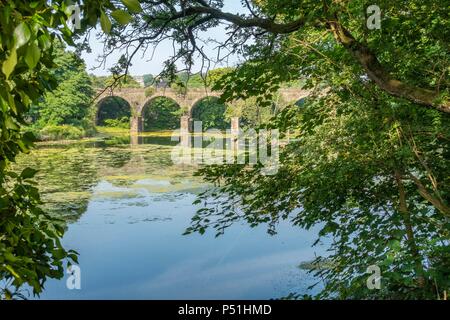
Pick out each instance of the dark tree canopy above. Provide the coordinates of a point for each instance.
(30, 246)
(113, 107)
(211, 112)
(161, 113)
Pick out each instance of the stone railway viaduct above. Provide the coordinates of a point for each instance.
(137, 100)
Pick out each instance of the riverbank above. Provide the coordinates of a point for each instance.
(102, 133)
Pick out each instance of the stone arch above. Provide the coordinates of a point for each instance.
(173, 121)
(121, 107)
(168, 95)
(196, 100)
(137, 100)
(212, 116)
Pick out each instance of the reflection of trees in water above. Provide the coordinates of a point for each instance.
(65, 178)
(114, 157)
(68, 173)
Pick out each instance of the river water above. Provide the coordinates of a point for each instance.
(126, 207)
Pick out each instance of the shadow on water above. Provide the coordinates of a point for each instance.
(68, 172)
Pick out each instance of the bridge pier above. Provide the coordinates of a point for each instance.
(135, 140)
(185, 124)
(235, 125)
(137, 99)
(136, 125)
(234, 135)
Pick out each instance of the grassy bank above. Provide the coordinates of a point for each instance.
(116, 131)
(63, 132)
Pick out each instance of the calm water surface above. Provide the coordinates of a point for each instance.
(126, 207)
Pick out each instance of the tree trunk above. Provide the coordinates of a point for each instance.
(403, 209)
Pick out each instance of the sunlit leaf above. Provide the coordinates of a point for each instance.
(121, 17)
(21, 34)
(32, 55)
(28, 173)
(10, 63)
(105, 23)
(133, 5)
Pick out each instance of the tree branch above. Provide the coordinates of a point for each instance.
(263, 23)
(430, 198)
(381, 77)
(362, 54)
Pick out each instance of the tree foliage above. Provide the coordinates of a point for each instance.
(375, 177)
(370, 163)
(30, 248)
(215, 75)
(161, 114)
(149, 80)
(70, 102)
(211, 112)
(113, 108)
(252, 113)
(407, 58)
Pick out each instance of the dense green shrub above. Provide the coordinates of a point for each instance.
(123, 122)
(161, 113)
(64, 132)
(211, 112)
(112, 108)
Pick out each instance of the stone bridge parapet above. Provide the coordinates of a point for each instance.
(137, 99)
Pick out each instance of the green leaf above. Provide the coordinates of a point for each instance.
(10, 63)
(28, 173)
(45, 42)
(59, 254)
(10, 257)
(105, 23)
(21, 35)
(12, 271)
(394, 245)
(133, 5)
(32, 55)
(121, 17)
(10, 124)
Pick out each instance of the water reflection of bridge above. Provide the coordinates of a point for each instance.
(137, 100)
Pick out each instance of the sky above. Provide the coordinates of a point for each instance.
(141, 64)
